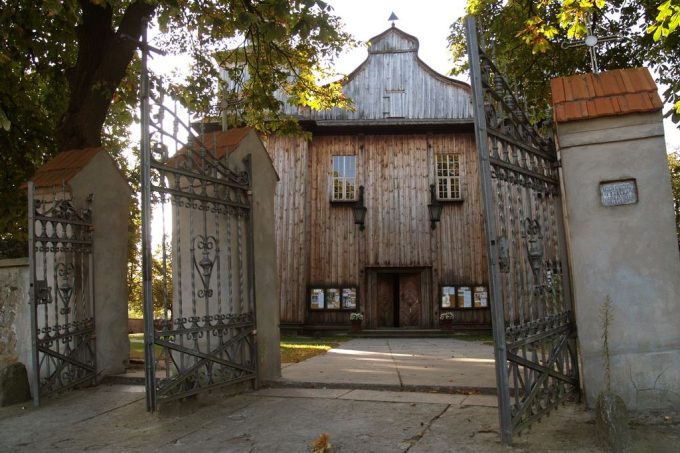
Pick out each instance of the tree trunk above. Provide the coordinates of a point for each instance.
(103, 58)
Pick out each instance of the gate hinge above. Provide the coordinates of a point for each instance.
(557, 164)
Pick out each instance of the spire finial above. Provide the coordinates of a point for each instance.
(392, 18)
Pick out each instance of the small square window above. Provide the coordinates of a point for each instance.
(481, 297)
(333, 299)
(317, 299)
(448, 297)
(464, 299)
(349, 298)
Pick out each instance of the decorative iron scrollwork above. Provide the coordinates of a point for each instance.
(65, 283)
(205, 248)
(531, 232)
(503, 255)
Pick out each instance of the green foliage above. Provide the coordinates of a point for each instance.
(667, 21)
(161, 282)
(262, 47)
(665, 24)
(526, 37)
(69, 79)
(674, 167)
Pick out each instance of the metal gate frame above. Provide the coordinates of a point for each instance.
(533, 324)
(207, 331)
(61, 272)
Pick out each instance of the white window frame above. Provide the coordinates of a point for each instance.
(347, 184)
(448, 172)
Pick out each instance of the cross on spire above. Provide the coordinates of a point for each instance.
(591, 40)
(392, 18)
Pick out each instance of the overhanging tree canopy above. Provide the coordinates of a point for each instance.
(69, 79)
(526, 40)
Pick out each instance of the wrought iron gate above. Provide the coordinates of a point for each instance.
(199, 280)
(62, 297)
(534, 330)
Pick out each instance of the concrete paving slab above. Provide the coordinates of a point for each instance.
(400, 363)
(481, 400)
(290, 425)
(404, 397)
(111, 419)
(302, 393)
(473, 429)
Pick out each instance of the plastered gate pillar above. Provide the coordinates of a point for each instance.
(621, 234)
(92, 172)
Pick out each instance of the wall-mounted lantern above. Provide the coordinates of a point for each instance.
(434, 208)
(359, 210)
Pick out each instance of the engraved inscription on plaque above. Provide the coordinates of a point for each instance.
(618, 193)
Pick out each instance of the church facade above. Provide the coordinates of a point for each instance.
(357, 203)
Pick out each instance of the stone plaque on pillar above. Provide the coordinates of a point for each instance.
(618, 193)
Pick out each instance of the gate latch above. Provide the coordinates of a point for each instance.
(42, 292)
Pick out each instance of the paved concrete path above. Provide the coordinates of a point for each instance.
(401, 363)
(112, 418)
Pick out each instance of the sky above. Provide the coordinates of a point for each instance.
(427, 20)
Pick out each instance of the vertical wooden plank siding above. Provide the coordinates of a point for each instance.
(461, 256)
(319, 244)
(397, 193)
(334, 238)
(290, 156)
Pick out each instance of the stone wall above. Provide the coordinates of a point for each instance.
(15, 325)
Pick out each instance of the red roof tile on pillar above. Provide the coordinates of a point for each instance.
(64, 166)
(611, 93)
(218, 143)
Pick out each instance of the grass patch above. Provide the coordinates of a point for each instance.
(483, 338)
(297, 349)
(137, 347)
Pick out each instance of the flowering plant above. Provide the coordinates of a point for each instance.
(446, 315)
(356, 317)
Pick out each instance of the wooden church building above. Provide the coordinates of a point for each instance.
(357, 204)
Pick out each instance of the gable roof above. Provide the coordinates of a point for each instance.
(396, 40)
(611, 93)
(63, 167)
(394, 87)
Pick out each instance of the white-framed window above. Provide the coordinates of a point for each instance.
(344, 178)
(448, 177)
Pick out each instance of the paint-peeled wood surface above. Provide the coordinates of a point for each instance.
(394, 83)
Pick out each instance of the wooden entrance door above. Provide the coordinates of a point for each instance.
(399, 299)
(410, 300)
(386, 297)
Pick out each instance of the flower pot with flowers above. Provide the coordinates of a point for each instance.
(356, 319)
(446, 320)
